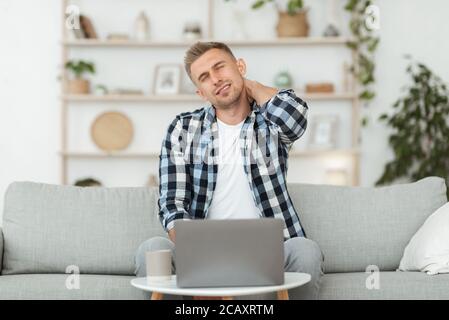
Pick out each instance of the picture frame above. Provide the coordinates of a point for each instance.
(323, 133)
(167, 79)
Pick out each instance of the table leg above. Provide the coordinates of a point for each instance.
(156, 296)
(283, 295)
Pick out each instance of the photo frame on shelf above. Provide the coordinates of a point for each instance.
(324, 130)
(167, 79)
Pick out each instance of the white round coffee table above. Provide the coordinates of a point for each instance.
(159, 288)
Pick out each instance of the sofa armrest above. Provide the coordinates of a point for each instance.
(1, 250)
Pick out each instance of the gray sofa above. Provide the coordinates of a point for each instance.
(48, 228)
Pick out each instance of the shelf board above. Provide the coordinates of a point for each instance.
(184, 97)
(130, 98)
(294, 153)
(320, 153)
(185, 43)
(109, 154)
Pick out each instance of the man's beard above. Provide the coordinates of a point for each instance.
(228, 104)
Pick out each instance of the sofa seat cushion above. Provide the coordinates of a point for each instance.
(48, 228)
(53, 287)
(392, 285)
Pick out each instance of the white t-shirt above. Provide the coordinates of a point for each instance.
(232, 197)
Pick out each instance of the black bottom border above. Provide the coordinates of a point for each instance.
(226, 309)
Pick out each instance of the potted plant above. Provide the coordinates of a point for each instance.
(420, 132)
(78, 85)
(293, 21)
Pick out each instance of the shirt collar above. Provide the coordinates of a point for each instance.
(209, 118)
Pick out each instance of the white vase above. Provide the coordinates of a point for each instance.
(141, 27)
(238, 26)
(333, 28)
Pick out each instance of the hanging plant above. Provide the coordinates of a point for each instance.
(420, 129)
(365, 45)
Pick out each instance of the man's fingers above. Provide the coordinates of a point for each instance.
(247, 84)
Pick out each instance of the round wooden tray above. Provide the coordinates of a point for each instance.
(112, 131)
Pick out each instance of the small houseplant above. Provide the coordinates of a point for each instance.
(78, 85)
(292, 20)
(420, 129)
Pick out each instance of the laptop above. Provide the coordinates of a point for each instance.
(223, 253)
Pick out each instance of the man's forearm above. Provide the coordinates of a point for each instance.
(174, 195)
(282, 108)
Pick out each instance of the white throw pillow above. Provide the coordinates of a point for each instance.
(428, 250)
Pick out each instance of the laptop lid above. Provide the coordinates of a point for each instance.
(220, 253)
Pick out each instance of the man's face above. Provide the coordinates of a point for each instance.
(218, 78)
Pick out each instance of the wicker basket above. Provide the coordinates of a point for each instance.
(295, 25)
(78, 86)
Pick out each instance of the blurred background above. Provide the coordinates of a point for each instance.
(88, 87)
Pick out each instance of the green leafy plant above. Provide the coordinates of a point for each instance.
(364, 44)
(293, 6)
(420, 138)
(80, 67)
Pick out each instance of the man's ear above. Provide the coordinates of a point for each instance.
(241, 66)
(201, 94)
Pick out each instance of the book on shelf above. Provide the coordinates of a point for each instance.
(85, 30)
(87, 27)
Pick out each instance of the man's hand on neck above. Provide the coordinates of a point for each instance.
(259, 92)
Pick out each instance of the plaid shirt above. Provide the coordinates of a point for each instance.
(189, 160)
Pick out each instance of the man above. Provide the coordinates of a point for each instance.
(229, 160)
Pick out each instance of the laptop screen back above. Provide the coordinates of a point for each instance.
(222, 253)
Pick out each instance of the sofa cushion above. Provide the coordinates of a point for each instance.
(392, 285)
(428, 250)
(50, 227)
(360, 226)
(53, 287)
(1, 250)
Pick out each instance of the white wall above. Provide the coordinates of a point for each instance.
(29, 111)
(30, 58)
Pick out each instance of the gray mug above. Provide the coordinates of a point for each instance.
(158, 265)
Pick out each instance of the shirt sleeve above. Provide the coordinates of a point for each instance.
(287, 115)
(174, 177)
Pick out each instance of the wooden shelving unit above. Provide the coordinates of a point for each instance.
(147, 100)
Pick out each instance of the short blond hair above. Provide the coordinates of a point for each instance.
(200, 48)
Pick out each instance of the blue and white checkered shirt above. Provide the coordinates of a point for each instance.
(189, 160)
